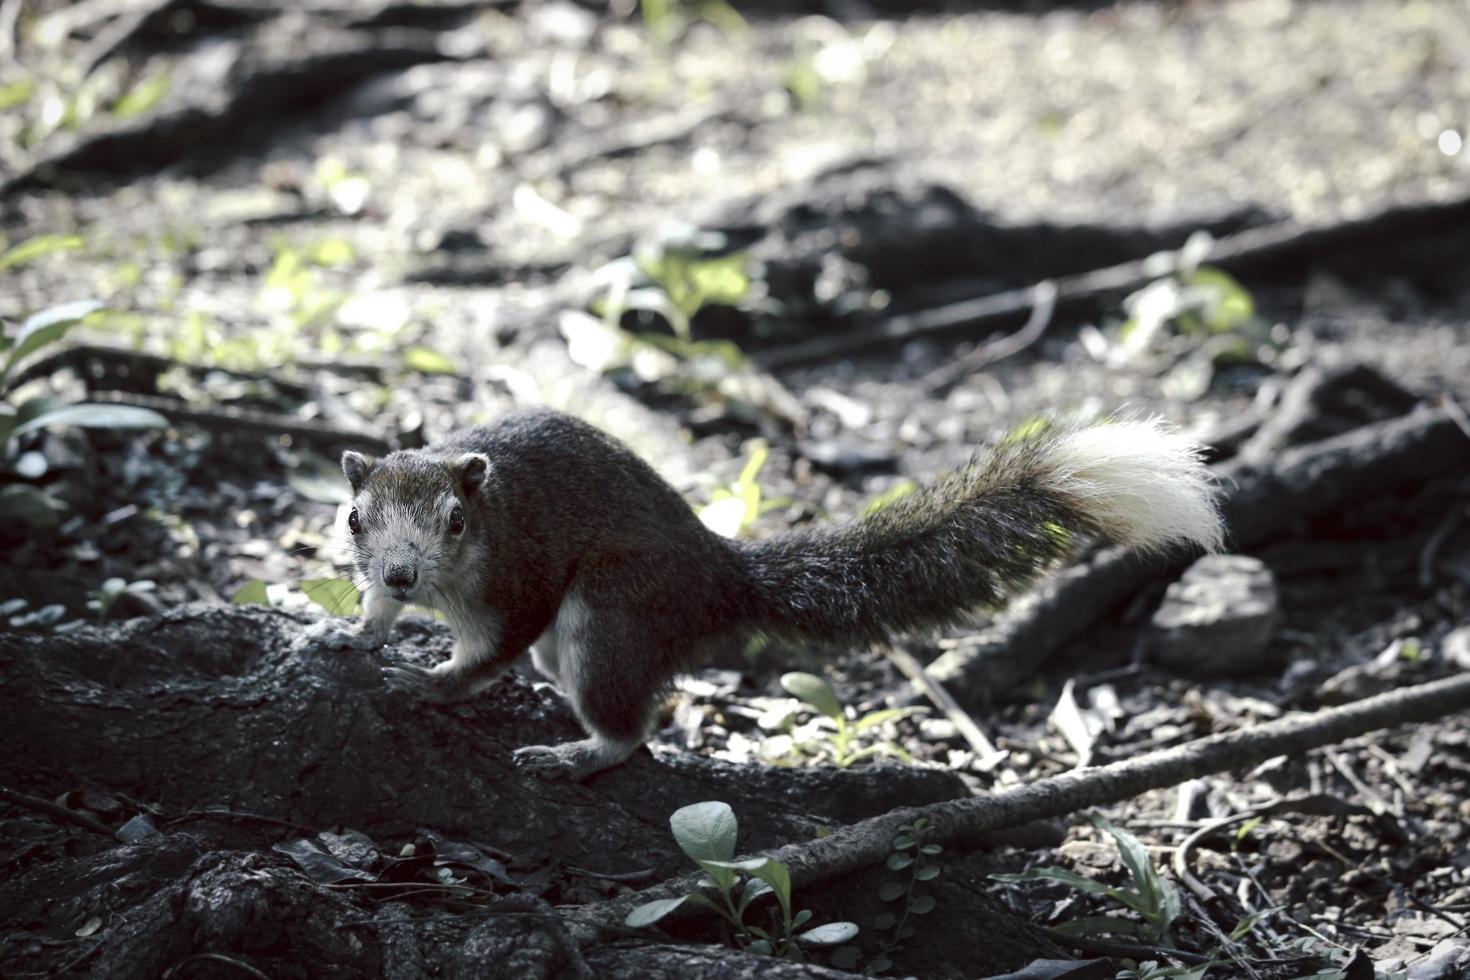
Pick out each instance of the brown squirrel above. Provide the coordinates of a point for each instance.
(540, 532)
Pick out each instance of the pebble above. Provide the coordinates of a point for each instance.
(1218, 619)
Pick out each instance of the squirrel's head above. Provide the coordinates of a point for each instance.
(413, 519)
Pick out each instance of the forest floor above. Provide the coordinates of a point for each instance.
(389, 220)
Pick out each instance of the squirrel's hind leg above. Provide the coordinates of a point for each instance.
(612, 678)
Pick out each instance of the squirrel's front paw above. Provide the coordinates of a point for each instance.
(545, 761)
(333, 634)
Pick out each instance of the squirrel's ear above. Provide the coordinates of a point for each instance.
(356, 467)
(470, 471)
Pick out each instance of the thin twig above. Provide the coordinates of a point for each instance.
(1433, 543)
(240, 965)
(1181, 853)
(943, 379)
(1111, 947)
(988, 755)
(56, 810)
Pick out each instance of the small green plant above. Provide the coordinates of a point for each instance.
(676, 274)
(106, 595)
(707, 832)
(1152, 897)
(18, 615)
(20, 499)
(913, 861)
(1198, 311)
(835, 738)
(665, 18)
(337, 596)
(733, 509)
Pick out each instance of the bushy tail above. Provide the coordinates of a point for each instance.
(976, 536)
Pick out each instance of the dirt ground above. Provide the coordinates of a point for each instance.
(391, 220)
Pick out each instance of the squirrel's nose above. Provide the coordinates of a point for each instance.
(400, 575)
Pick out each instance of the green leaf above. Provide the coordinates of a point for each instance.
(143, 96)
(90, 415)
(904, 841)
(899, 861)
(814, 691)
(890, 890)
(1135, 858)
(706, 832)
(922, 905)
(884, 921)
(890, 497)
(1099, 925)
(16, 93)
(337, 596)
(45, 327)
(775, 874)
(846, 958)
(931, 849)
(650, 912)
(874, 718)
(427, 361)
(29, 506)
(252, 593)
(1061, 876)
(830, 934)
(880, 963)
(34, 248)
(927, 872)
(761, 947)
(754, 889)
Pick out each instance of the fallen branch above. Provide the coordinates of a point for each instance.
(1274, 245)
(966, 822)
(225, 419)
(1261, 501)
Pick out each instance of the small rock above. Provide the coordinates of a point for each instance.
(1218, 618)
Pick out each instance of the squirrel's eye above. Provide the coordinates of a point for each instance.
(354, 524)
(456, 520)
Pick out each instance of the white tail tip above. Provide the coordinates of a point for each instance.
(1146, 485)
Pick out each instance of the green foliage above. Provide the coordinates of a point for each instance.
(16, 93)
(427, 361)
(147, 93)
(1152, 897)
(20, 501)
(252, 593)
(733, 509)
(890, 497)
(833, 738)
(666, 18)
(912, 858)
(1197, 313)
(106, 595)
(337, 596)
(48, 619)
(707, 833)
(34, 248)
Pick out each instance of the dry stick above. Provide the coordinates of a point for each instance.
(232, 419)
(964, 822)
(1260, 502)
(57, 811)
(1275, 243)
(988, 755)
(941, 380)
